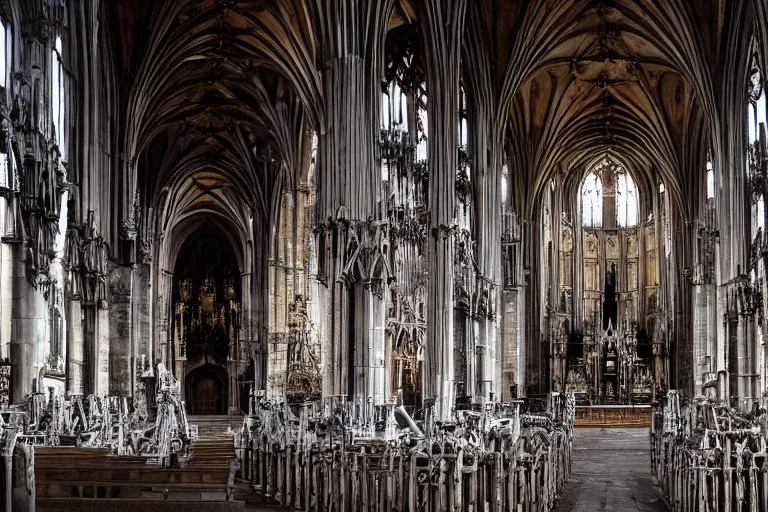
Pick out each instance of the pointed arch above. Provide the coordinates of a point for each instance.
(591, 200)
(627, 204)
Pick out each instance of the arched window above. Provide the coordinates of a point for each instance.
(626, 200)
(463, 126)
(394, 109)
(757, 106)
(58, 105)
(58, 110)
(504, 178)
(5, 170)
(463, 172)
(464, 175)
(757, 110)
(3, 55)
(592, 201)
(665, 220)
(421, 113)
(758, 216)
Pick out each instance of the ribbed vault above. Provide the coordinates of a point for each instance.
(217, 109)
(610, 77)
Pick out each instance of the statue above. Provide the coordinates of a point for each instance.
(166, 382)
(93, 433)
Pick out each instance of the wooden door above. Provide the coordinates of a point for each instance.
(206, 397)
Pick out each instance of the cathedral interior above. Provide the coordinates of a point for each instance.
(384, 255)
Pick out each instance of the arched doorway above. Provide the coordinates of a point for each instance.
(206, 321)
(206, 390)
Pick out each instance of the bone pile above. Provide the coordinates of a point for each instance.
(355, 456)
(708, 457)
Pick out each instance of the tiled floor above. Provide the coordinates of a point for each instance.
(611, 472)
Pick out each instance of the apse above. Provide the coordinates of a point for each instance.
(608, 263)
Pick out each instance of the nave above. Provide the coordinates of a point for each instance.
(380, 255)
(611, 473)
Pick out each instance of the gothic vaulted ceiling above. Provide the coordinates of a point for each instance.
(223, 88)
(216, 104)
(627, 77)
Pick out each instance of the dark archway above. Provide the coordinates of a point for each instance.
(206, 390)
(207, 292)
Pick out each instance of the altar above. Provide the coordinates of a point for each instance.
(613, 415)
(615, 368)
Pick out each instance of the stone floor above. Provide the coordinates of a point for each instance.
(611, 472)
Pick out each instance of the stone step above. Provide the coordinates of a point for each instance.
(215, 427)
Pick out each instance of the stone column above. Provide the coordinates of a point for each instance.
(512, 365)
(233, 388)
(348, 178)
(704, 337)
(443, 30)
(369, 324)
(748, 360)
(162, 315)
(89, 347)
(120, 330)
(141, 335)
(75, 346)
(377, 362)
(360, 315)
(101, 364)
(699, 335)
(179, 359)
(763, 369)
(278, 302)
(28, 327)
(257, 286)
(6, 289)
(246, 327)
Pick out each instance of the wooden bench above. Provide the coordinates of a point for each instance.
(69, 472)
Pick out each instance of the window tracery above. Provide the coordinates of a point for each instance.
(59, 137)
(614, 292)
(592, 201)
(58, 105)
(707, 233)
(756, 105)
(3, 55)
(758, 216)
(757, 110)
(6, 169)
(504, 183)
(463, 173)
(58, 111)
(626, 200)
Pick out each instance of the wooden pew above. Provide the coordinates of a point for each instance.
(69, 472)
